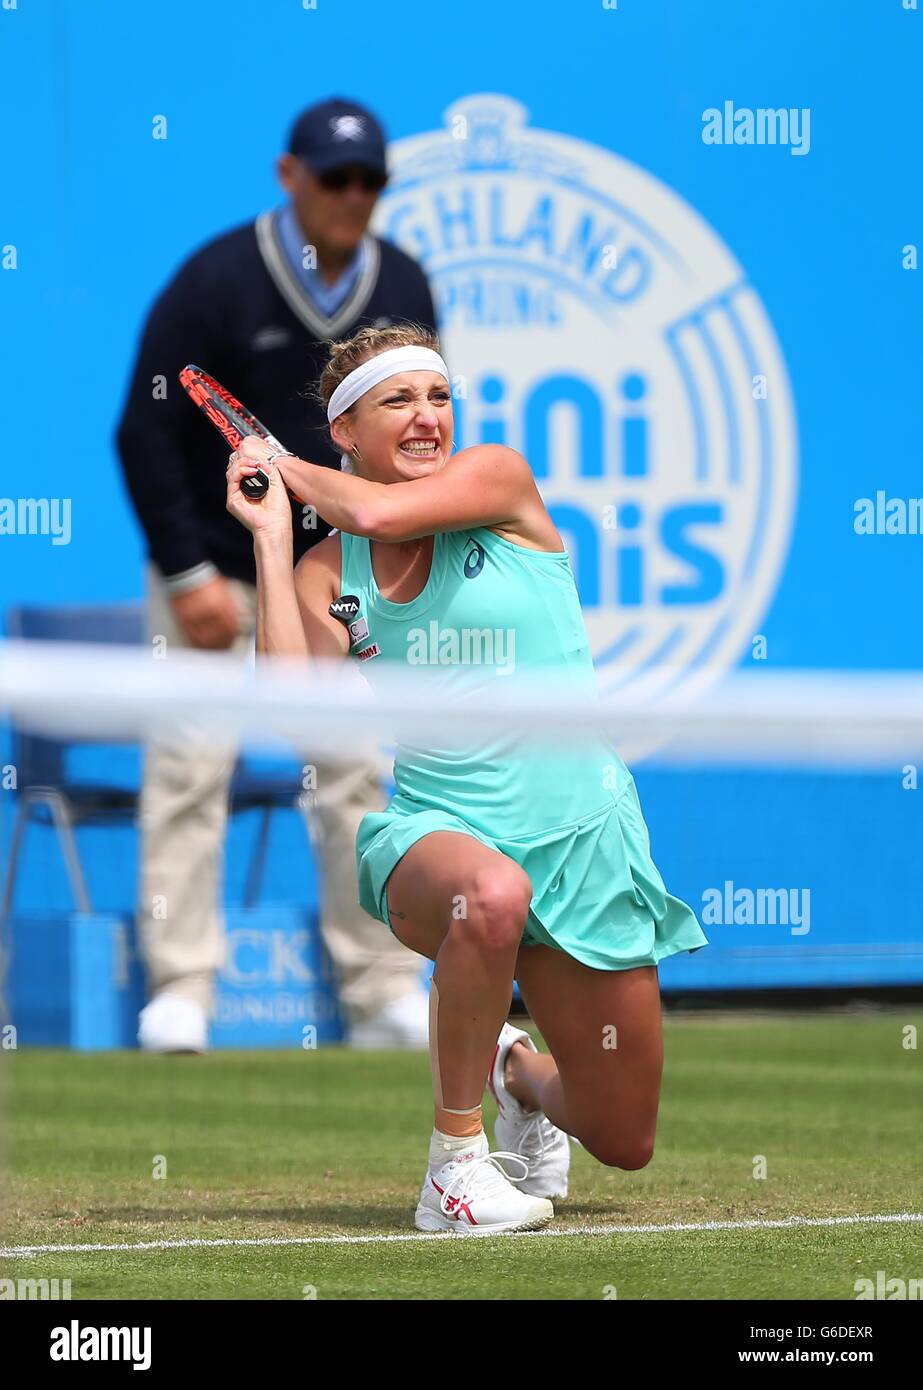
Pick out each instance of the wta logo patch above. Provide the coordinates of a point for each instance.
(344, 608)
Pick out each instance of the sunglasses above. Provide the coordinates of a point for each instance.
(335, 180)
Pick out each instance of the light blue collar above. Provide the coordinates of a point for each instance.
(326, 297)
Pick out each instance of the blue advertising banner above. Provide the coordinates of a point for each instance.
(674, 254)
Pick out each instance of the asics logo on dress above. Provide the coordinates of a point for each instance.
(474, 561)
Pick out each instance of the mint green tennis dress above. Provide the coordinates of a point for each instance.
(569, 816)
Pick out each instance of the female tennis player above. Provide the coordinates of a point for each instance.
(495, 866)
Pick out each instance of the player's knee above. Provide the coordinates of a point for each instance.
(619, 1152)
(497, 905)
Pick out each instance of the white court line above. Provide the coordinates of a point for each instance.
(785, 1223)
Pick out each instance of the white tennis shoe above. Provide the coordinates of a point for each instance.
(173, 1023)
(529, 1134)
(403, 1023)
(471, 1195)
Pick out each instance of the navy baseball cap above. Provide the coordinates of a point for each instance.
(338, 132)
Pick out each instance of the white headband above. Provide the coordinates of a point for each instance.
(378, 369)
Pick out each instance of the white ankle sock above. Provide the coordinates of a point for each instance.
(444, 1147)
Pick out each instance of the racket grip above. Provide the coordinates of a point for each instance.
(255, 486)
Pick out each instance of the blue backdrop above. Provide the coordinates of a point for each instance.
(100, 214)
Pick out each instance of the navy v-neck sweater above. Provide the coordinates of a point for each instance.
(237, 309)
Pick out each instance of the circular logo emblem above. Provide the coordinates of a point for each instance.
(592, 320)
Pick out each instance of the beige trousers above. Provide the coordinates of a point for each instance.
(183, 819)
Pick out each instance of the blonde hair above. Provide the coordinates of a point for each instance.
(350, 353)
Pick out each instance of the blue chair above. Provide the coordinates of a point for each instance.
(50, 795)
(253, 789)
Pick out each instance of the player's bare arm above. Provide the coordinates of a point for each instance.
(317, 584)
(485, 485)
(279, 627)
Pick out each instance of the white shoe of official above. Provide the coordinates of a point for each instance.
(172, 1023)
(402, 1023)
(528, 1133)
(471, 1195)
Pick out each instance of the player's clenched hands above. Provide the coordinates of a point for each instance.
(272, 512)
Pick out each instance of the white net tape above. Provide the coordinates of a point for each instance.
(753, 718)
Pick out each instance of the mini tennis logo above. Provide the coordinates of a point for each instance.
(594, 321)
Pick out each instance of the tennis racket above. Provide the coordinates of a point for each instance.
(234, 421)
